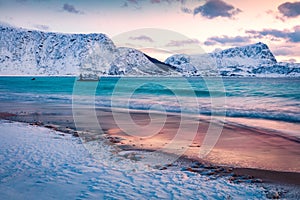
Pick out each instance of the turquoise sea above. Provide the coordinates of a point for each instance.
(262, 98)
(266, 98)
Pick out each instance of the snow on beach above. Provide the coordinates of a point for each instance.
(38, 163)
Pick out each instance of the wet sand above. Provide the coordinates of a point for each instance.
(250, 151)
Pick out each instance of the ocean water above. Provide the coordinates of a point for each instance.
(276, 99)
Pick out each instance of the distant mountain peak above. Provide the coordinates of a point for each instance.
(249, 60)
(256, 51)
(33, 52)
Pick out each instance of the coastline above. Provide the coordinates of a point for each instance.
(61, 119)
(38, 162)
(284, 185)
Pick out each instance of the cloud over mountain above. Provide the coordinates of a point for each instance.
(216, 8)
(289, 35)
(142, 37)
(71, 9)
(226, 40)
(289, 9)
(178, 43)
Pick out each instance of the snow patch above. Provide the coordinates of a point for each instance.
(38, 163)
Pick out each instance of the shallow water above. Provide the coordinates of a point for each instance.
(275, 99)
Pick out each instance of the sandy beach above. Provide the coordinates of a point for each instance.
(242, 150)
(40, 163)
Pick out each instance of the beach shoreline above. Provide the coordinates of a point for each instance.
(61, 120)
(35, 158)
(274, 184)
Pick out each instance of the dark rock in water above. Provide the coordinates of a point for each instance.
(190, 169)
(231, 179)
(114, 139)
(208, 172)
(163, 168)
(210, 167)
(257, 180)
(76, 134)
(229, 169)
(33, 79)
(196, 165)
(273, 195)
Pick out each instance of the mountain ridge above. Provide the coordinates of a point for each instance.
(32, 52)
(249, 60)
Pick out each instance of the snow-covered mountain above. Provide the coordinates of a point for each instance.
(250, 60)
(130, 61)
(39, 53)
(30, 52)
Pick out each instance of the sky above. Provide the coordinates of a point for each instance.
(209, 24)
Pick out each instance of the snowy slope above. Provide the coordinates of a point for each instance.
(38, 163)
(250, 60)
(130, 61)
(182, 64)
(29, 52)
(39, 53)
